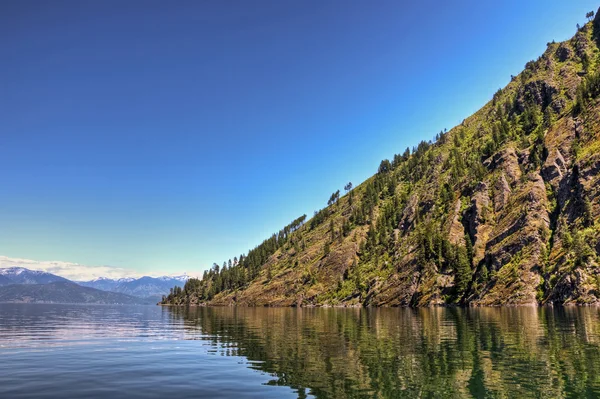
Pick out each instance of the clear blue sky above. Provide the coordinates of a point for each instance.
(164, 136)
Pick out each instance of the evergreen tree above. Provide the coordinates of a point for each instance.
(462, 271)
(384, 167)
(590, 15)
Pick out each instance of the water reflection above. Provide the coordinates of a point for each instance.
(46, 326)
(99, 351)
(389, 353)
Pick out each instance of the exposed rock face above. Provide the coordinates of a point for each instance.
(457, 230)
(501, 193)
(508, 162)
(581, 44)
(563, 53)
(517, 241)
(555, 166)
(538, 92)
(410, 213)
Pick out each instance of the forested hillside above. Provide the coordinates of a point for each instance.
(502, 209)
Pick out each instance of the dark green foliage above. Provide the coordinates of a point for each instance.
(579, 248)
(384, 167)
(469, 247)
(446, 198)
(538, 152)
(334, 198)
(236, 274)
(497, 95)
(346, 228)
(588, 89)
(590, 15)
(531, 118)
(434, 247)
(418, 163)
(319, 217)
(462, 269)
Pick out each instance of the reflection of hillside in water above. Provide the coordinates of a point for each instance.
(451, 352)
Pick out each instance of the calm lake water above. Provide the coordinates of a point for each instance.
(148, 351)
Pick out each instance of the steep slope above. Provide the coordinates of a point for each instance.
(63, 292)
(20, 275)
(502, 209)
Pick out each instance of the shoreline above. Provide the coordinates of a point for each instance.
(469, 306)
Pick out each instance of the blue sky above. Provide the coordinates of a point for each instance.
(165, 136)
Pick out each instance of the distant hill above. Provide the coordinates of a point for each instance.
(20, 275)
(64, 292)
(142, 287)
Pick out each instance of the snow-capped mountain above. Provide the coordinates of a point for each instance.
(141, 287)
(181, 278)
(68, 270)
(17, 282)
(104, 283)
(21, 275)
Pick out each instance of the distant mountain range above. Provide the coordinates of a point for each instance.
(20, 275)
(105, 284)
(140, 287)
(18, 284)
(65, 292)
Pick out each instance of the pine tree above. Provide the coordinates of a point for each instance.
(462, 271)
(469, 248)
(590, 15)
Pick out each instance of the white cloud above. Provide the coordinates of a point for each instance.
(72, 271)
(78, 272)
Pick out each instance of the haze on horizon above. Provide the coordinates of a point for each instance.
(160, 139)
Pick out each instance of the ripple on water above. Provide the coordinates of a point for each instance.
(149, 351)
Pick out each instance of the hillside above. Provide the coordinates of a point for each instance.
(62, 292)
(502, 209)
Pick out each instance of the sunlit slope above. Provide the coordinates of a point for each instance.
(502, 209)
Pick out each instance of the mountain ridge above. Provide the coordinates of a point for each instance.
(15, 282)
(21, 275)
(502, 209)
(142, 287)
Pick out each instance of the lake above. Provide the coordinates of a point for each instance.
(85, 351)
